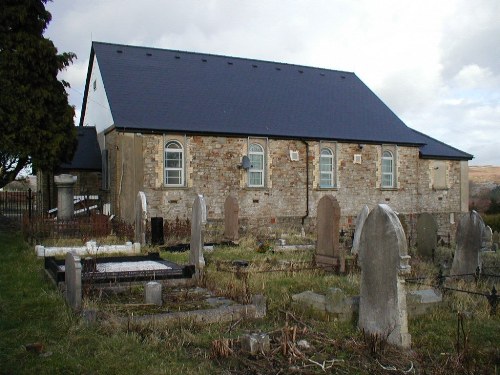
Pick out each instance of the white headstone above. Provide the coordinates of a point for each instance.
(141, 216)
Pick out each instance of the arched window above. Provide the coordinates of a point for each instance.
(256, 171)
(174, 164)
(326, 168)
(387, 169)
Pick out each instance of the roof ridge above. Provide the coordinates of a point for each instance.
(223, 57)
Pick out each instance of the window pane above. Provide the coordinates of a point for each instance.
(255, 178)
(387, 180)
(386, 166)
(173, 177)
(257, 161)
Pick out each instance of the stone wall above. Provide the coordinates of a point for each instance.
(212, 169)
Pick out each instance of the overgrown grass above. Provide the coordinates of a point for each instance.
(33, 311)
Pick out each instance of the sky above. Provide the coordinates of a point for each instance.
(436, 64)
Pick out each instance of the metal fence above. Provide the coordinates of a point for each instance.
(17, 204)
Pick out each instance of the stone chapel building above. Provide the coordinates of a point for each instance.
(276, 136)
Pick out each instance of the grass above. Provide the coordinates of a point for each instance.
(33, 311)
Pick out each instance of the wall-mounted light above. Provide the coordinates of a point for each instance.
(361, 146)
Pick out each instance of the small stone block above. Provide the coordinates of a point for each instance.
(152, 293)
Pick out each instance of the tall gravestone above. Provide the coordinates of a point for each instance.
(198, 221)
(427, 229)
(383, 258)
(360, 221)
(141, 216)
(487, 242)
(327, 245)
(231, 219)
(469, 238)
(65, 203)
(73, 280)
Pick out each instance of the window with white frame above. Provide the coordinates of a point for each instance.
(256, 171)
(326, 168)
(388, 169)
(174, 164)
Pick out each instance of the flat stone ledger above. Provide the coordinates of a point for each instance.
(327, 245)
(469, 239)
(65, 204)
(73, 281)
(383, 258)
(360, 221)
(231, 219)
(198, 221)
(427, 229)
(141, 216)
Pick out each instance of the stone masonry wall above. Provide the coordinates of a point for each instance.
(212, 169)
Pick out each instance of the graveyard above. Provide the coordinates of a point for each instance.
(286, 303)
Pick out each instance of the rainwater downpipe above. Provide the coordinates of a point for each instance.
(307, 183)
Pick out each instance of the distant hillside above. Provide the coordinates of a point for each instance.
(482, 180)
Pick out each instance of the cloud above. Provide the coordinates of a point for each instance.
(435, 64)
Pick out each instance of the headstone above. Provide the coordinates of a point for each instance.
(427, 229)
(256, 343)
(157, 236)
(360, 221)
(65, 204)
(383, 255)
(141, 215)
(73, 281)
(198, 221)
(152, 293)
(231, 213)
(327, 245)
(487, 240)
(468, 239)
(495, 238)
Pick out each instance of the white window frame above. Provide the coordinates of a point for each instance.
(256, 150)
(181, 169)
(327, 159)
(391, 159)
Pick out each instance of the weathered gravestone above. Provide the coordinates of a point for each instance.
(487, 240)
(152, 293)
(360, 221)
(383, 255)
(469, 237)
(65, 203)
(73, 280)
(198, 221)
(495, 238)
(327, 245)
(231, 213)
(426, 234)
(141, 216)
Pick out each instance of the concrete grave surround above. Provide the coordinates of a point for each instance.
(383, 258)
(427, 229)
(141, 217)
(198, 221)
(73, 280)
(327, 245)
(65, 205)
(231, 219)
(469, 239)
(360, 221)
(90, 248)
(487, 239)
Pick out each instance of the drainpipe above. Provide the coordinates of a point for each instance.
(307, 182)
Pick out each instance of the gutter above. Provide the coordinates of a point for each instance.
(307, 182)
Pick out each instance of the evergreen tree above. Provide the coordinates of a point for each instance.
(36, 121)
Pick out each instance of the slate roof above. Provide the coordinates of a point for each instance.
(160, 90)
(87, 155)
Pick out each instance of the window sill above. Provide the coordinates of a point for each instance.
(389, 189)
(333, 188)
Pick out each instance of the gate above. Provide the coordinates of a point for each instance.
(16, 204)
